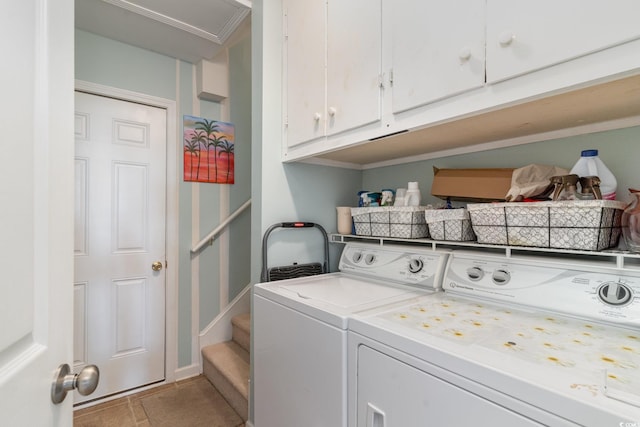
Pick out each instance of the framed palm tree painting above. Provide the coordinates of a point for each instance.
(208, 149)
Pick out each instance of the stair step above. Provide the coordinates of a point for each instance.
(226, 366)
(241, 325)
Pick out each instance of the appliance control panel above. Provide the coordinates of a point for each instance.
(403, 265)
(586, 290)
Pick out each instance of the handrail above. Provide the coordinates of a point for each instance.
(209, 238)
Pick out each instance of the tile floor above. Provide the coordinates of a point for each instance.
(129, 412)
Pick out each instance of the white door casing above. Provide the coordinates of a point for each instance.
(36, 199)
(119, 233)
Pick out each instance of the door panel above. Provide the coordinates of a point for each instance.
(120, 232)
(527, 36)
(36, 199)
(433, 59)
(305, 50)
(354, 64)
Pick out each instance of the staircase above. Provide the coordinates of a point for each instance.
(226, 365)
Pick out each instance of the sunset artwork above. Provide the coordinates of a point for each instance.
(208, 150)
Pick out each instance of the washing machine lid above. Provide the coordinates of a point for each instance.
(332, 298)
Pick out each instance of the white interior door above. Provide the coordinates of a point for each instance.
(36, 209)
(119, 313)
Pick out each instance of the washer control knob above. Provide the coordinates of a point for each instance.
(369, 259)
(415, 265)
(615, 293)
(501, 277)
(475, 273)
(357, 256)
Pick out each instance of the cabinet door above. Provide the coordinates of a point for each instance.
(391, 393)
(354, 50)
(304, 79)
(526, 36)
(437, 49)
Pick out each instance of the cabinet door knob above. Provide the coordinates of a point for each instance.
(464, 54)
(332, 111)
(317, 117)
(506, 38)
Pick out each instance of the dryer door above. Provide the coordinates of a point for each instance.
(391, 393)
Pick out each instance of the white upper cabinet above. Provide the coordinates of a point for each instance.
(372, 81)
(354, 50)
(437, 49)
(526, 36)
(304, 79)
(333, 67)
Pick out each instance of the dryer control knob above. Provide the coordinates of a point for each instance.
(475, 273)
(415, 265)
(615, 293)
(501, 277)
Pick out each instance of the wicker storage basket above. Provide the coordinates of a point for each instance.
(449, 224)
(406, 222)
(581, 224)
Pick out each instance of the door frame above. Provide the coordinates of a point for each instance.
(171, 238)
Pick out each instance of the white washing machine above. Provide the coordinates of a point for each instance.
(511, 341)
(300, 330)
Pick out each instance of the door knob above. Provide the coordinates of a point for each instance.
(84, 381)
(506, 38)
(156, 266)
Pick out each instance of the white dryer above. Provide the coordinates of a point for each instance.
(300, 330)
(510, 341)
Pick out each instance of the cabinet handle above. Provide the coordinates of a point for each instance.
(375, 417)
(464, 54)
(332, 111)
(317, 117)
(506, 38)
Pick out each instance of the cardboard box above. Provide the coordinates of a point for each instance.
(472, 185)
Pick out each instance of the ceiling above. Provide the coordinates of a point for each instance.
(190, 30)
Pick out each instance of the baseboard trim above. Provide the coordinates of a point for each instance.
(187, 372)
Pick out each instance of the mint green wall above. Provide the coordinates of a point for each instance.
(240, 113)
(111, 63)
(239, 192)
(618, 149)
(185, 91)
(209, 260)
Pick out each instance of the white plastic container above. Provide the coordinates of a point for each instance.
(590, 164)
(413, 196)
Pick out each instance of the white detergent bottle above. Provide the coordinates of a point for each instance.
(413, 196)
(590, 164)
